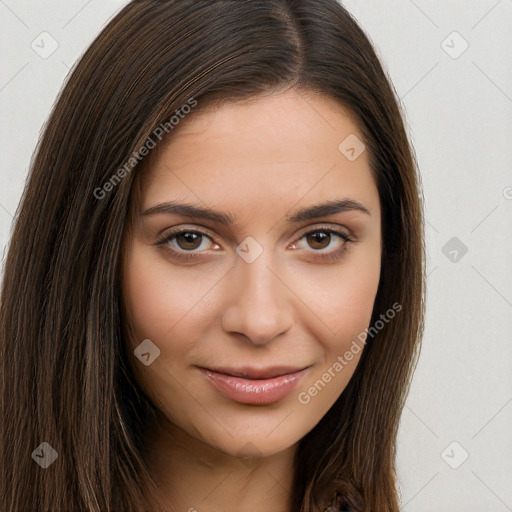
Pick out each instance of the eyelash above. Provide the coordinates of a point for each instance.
(189, 256)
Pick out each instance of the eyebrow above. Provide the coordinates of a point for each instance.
(309, 213)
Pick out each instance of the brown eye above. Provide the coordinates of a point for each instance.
(188, 240)
(319, 239)
(324, 244)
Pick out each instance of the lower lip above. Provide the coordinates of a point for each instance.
(252, 391)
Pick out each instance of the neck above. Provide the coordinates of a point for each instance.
(192, 476)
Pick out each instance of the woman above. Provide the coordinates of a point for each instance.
(213, 295)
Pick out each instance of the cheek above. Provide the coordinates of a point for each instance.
(345, 314)
(161, 300)
(341, 296)
(165, 307)
(343, 301)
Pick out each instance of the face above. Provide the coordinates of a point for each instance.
(252, 269)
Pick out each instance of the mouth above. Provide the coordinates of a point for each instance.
(252, 386)
(257, 374)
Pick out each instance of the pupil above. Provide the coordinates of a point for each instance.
(190, 240)
(318, 238)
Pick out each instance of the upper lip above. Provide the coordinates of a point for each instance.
(257, 373)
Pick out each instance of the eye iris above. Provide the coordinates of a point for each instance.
(320, 237)
(191, 240)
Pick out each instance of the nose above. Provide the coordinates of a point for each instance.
(259, 304)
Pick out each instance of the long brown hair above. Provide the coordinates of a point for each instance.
(65, 380)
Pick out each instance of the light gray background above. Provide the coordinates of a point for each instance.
(459, 116)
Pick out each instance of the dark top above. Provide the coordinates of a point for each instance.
(337, 505)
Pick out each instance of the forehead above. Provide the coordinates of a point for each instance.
(280, 148)
(304, 114)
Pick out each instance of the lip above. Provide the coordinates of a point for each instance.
(251, 386)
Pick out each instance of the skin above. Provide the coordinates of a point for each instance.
(258, 161)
